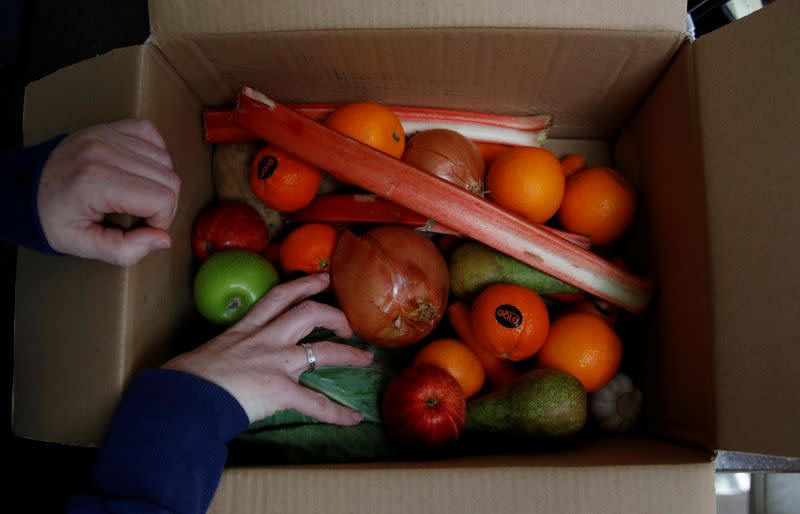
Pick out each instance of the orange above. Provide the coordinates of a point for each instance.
(527, 181)
(599, 203)
(309, 248)
(584, 346)
(571, 164)
(458, 360)
(607, 312)
(283, 182)
(491, 151)
(371, 123)
(510, 321)
(499, 372)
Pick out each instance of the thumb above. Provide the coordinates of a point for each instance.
(122, 248)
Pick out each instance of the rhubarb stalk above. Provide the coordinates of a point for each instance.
(218, 127)
(369, 208)
(347, 209)
(479, 127)
(437, 199)
(534, 123)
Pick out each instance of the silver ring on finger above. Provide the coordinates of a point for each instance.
(310, 356)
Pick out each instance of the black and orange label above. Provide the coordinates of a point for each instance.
(267, 166)
(508, 316)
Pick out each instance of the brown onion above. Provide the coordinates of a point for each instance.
(449, 155)
(392, 284)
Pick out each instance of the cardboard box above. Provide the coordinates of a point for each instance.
(707, 129)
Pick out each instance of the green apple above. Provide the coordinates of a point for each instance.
(230, 282)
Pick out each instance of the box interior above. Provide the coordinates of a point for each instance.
(151, 303)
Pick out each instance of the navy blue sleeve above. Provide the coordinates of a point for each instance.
(166, 447)
(20, 171)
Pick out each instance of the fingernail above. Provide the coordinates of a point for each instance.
(324, 277)
(161, 244)
(356, 417)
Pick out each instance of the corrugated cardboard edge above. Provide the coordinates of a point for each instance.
(181, 17)
(69, 374)
(613, 476)
(748, 78)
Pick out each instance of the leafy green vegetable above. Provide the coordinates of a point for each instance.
(284, 418)
(320, 442)
(294, 437)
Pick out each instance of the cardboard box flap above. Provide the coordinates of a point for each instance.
(192, 17)
(664, 156)
(61, 372)
(104, 322)
(610, 476)
(299, 50)
(747, 83)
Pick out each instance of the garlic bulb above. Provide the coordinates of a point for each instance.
(616, 406)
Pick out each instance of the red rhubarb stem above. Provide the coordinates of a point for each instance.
(479, 127)
(340, 208)
(475, 217)
(356, 208)
(218, 127)
(534, 123)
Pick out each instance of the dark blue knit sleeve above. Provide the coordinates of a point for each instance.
(20, 171)
(166, 447)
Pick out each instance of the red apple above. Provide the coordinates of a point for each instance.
(423, 406)
(229, 225)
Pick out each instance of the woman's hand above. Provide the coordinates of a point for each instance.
(259, 362)
(121, 167)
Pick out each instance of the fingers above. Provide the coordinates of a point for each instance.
(115, 190)
(280, 298)
(321, 408)
(328, 353)
(136, 157)
(144, 130)
(298, 322)
(143, 148)
(115, 246)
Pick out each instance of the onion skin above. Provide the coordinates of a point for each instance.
(392, 284)
(449, 155)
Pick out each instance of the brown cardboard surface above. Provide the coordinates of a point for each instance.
(103, 322)
(612, 476)
(53, 105)
(217, 17)
(672, 207)
(715, 143)
(596, 152)
(161, 287)
(61, 372)
(748, 78)
(590, 80)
